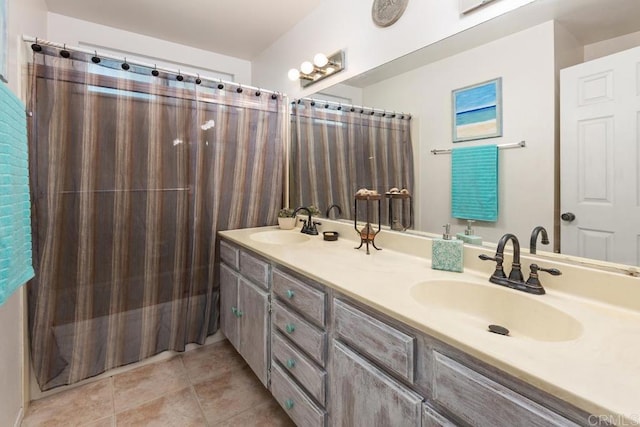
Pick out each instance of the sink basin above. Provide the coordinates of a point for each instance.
(280, 237)
(480, 305)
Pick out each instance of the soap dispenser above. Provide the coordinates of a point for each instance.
(447, 253)
(468, 236)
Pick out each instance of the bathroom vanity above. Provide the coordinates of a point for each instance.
(344, 338)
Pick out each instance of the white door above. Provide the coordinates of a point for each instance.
(600, 158)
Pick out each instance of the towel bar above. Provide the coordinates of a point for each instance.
(520, 144)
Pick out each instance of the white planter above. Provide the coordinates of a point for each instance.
(287, 223)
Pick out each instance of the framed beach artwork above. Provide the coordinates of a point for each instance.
(477, 111)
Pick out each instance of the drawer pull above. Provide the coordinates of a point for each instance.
(291, 363)
(290, 294)
(288, 403)
(236, 312)
(290, 327)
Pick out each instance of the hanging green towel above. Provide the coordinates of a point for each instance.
(15, 207)
(474, 183)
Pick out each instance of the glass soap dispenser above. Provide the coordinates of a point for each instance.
(468, 236)
(447, 253)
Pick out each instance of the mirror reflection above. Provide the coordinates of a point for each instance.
(534, 186)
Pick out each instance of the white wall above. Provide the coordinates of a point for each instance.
(24, 16)
(526, 63)
(76, 32)
(338, 24)
(611, 46)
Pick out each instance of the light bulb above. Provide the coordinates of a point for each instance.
(293, 74)
(306, 67)
(320, 59)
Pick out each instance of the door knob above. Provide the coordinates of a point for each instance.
(568, 216)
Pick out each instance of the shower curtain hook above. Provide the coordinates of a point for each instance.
(64, 52)
(239, 88)
(155, 72)
(274, 95)
(313, 102)
(384, 113)
(95, 59)
(339, 107)
(220, 85)
(36, 47)
(198, 80)
(125, 66)
(258, 93)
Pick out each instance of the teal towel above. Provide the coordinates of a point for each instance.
(15, 207)
(474, 183)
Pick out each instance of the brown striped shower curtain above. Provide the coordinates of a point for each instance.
(335, 152)
(132, 176)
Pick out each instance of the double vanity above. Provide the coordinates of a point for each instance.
(344, 338)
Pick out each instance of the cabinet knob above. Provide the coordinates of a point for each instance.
(291, 363)
(290, 327)
(288, 403)
(290, 294)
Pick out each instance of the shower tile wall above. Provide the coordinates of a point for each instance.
(210, 386)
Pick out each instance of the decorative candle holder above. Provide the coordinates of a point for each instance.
(405, 203)
(367, 233)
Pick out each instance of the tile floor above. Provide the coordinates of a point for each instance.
(209, 386)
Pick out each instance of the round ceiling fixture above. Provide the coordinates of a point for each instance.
(386, 12)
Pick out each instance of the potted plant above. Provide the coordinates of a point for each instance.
(286, 220)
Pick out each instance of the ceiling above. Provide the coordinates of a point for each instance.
(239, 28)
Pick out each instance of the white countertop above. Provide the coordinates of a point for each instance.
(598, 372)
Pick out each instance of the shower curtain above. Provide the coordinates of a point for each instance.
(335, 152)
(132, 176)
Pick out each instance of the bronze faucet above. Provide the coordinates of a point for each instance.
(534, 237)
(515, 279)
(334, 206)
(309, 226)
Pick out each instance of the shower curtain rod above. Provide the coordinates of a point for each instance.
(31, 39)
(353, 108)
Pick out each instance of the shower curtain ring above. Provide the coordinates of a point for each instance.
(95, 59)
(339, 107)
(258, 92)
(313, 102)
(155, 72)
(124, 65)
(239, 89)
(64, 52)
(274, 95)
(179, 76)
(220, 85)
(198, 80)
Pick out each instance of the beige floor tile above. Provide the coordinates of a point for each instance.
(148, 382)
(75, 407)
(177, 409)
(103, 422)
(212, 360)
(230, 393)
(268, 414)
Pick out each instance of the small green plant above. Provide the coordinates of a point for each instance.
(285, 213)
(313, 210)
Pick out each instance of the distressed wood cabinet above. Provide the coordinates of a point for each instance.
(329, 360)
(244, 309)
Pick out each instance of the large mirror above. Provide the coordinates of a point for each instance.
(526, 48)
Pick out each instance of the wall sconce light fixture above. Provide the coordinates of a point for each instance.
(321, 67)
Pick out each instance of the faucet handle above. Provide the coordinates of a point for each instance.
(485, 257)
(533, 282)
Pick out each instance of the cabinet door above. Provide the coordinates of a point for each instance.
(363, 395)
(253, 304)
(229, 320)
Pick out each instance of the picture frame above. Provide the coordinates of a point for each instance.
(477, 111)
(3, 40)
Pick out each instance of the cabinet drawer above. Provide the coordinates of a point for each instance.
(312, 378)
(384, 344)
(255, 269)
(230, 254)
(298, 406)
(480, 401)
(431, 418)
(301, 332)
(302, 297)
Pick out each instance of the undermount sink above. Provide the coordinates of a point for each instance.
(279, 237)
(480, 305)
